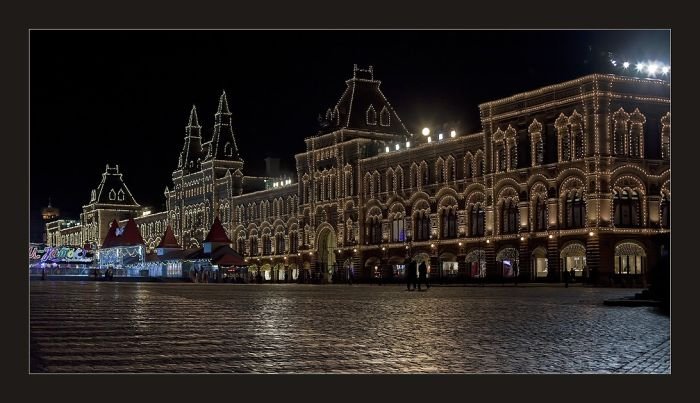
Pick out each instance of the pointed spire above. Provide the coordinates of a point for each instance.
(193, 117)
(223, 104)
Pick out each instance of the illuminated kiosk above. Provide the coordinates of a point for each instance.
(124, 250)
(216, 260)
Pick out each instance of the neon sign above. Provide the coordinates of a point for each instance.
(60, 254)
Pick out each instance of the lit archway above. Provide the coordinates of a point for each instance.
(326, 246)
(508, 258)
(476, 260)
(630, 258)
(539, 263)
(573, 256)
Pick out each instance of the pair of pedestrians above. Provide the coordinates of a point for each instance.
(414, 278)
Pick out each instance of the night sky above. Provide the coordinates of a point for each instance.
(123, 97)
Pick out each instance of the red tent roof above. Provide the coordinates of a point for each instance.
(225, 256)
(217, 233)
(131, 235)
(111, 237)
(168, 240)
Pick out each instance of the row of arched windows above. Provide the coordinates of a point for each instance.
(420, 175)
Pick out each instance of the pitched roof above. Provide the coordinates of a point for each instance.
(217, 233)
(131, 235)
(112, 189)
(111, 236)
(364, 107)
(168, 240)
(127, 236)
(225, 256)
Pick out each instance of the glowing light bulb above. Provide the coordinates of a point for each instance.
(426, 131)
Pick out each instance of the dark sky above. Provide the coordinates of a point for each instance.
(123, 97)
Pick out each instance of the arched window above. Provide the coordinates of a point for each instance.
(468, 173)
(575, 210)
(476, 220)
(440, 170)
(120, 195)
(399, 179)
(576, 122)
(371, 116)
(450, 169)
(293, 242)
(112, 194)
(228, 150)
(414, 180)
(449, 223)
(564, 136)
(241, 246)
(480, 165)
(541, 214)
(626, 208)
(500, 157)
(509, 217)
(620, 132)
(637, 134)
(426, 173)
(374, 230)
(397, 230)
(279, 244)
(267, 245)
(349, 231)
(512, 154)
(536, 143)
(422, 226)
(384, 117)
(253, 246)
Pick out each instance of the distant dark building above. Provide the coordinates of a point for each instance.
(572, 176)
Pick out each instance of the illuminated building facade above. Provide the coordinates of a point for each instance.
(573, 176)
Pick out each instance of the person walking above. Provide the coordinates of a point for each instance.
(422, 275)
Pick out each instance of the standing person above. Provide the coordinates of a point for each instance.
(409, 279)
(572, 274)
(422, 275)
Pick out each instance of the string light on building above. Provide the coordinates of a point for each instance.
(349, 193)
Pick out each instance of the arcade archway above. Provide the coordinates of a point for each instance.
(326, 246)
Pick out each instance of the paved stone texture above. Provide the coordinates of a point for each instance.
(89, 327)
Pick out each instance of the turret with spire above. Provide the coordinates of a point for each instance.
(223, 142)
(191, 154)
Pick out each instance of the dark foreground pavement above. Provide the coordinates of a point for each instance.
(89, 327)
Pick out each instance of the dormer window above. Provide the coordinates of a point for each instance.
(371, 116)
(112, 194)
(120, 195)
(384, 117)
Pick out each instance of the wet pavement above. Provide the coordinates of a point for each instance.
(90, 327)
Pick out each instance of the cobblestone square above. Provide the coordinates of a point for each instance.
(92, 327)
